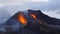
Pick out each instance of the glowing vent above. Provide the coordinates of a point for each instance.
(22, 19)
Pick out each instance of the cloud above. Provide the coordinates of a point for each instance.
(54, 13)
(53, 5)
(19, 2)
(11, 2)
(33, 4)
(43, 5)
(37, 0)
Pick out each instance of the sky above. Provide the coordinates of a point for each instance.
(48, 7)
(33, 4)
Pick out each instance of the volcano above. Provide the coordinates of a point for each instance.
(31, 22)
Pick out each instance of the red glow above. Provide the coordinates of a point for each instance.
(22, 19)
(34, 16)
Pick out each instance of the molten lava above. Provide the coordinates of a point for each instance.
(22, 19)
(34, 16)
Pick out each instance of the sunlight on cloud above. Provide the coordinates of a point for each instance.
(46, 0)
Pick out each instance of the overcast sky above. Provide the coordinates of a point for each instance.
(44, 5)
(33, 4)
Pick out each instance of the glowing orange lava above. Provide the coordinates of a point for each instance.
(34, 16)
(22, 19)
